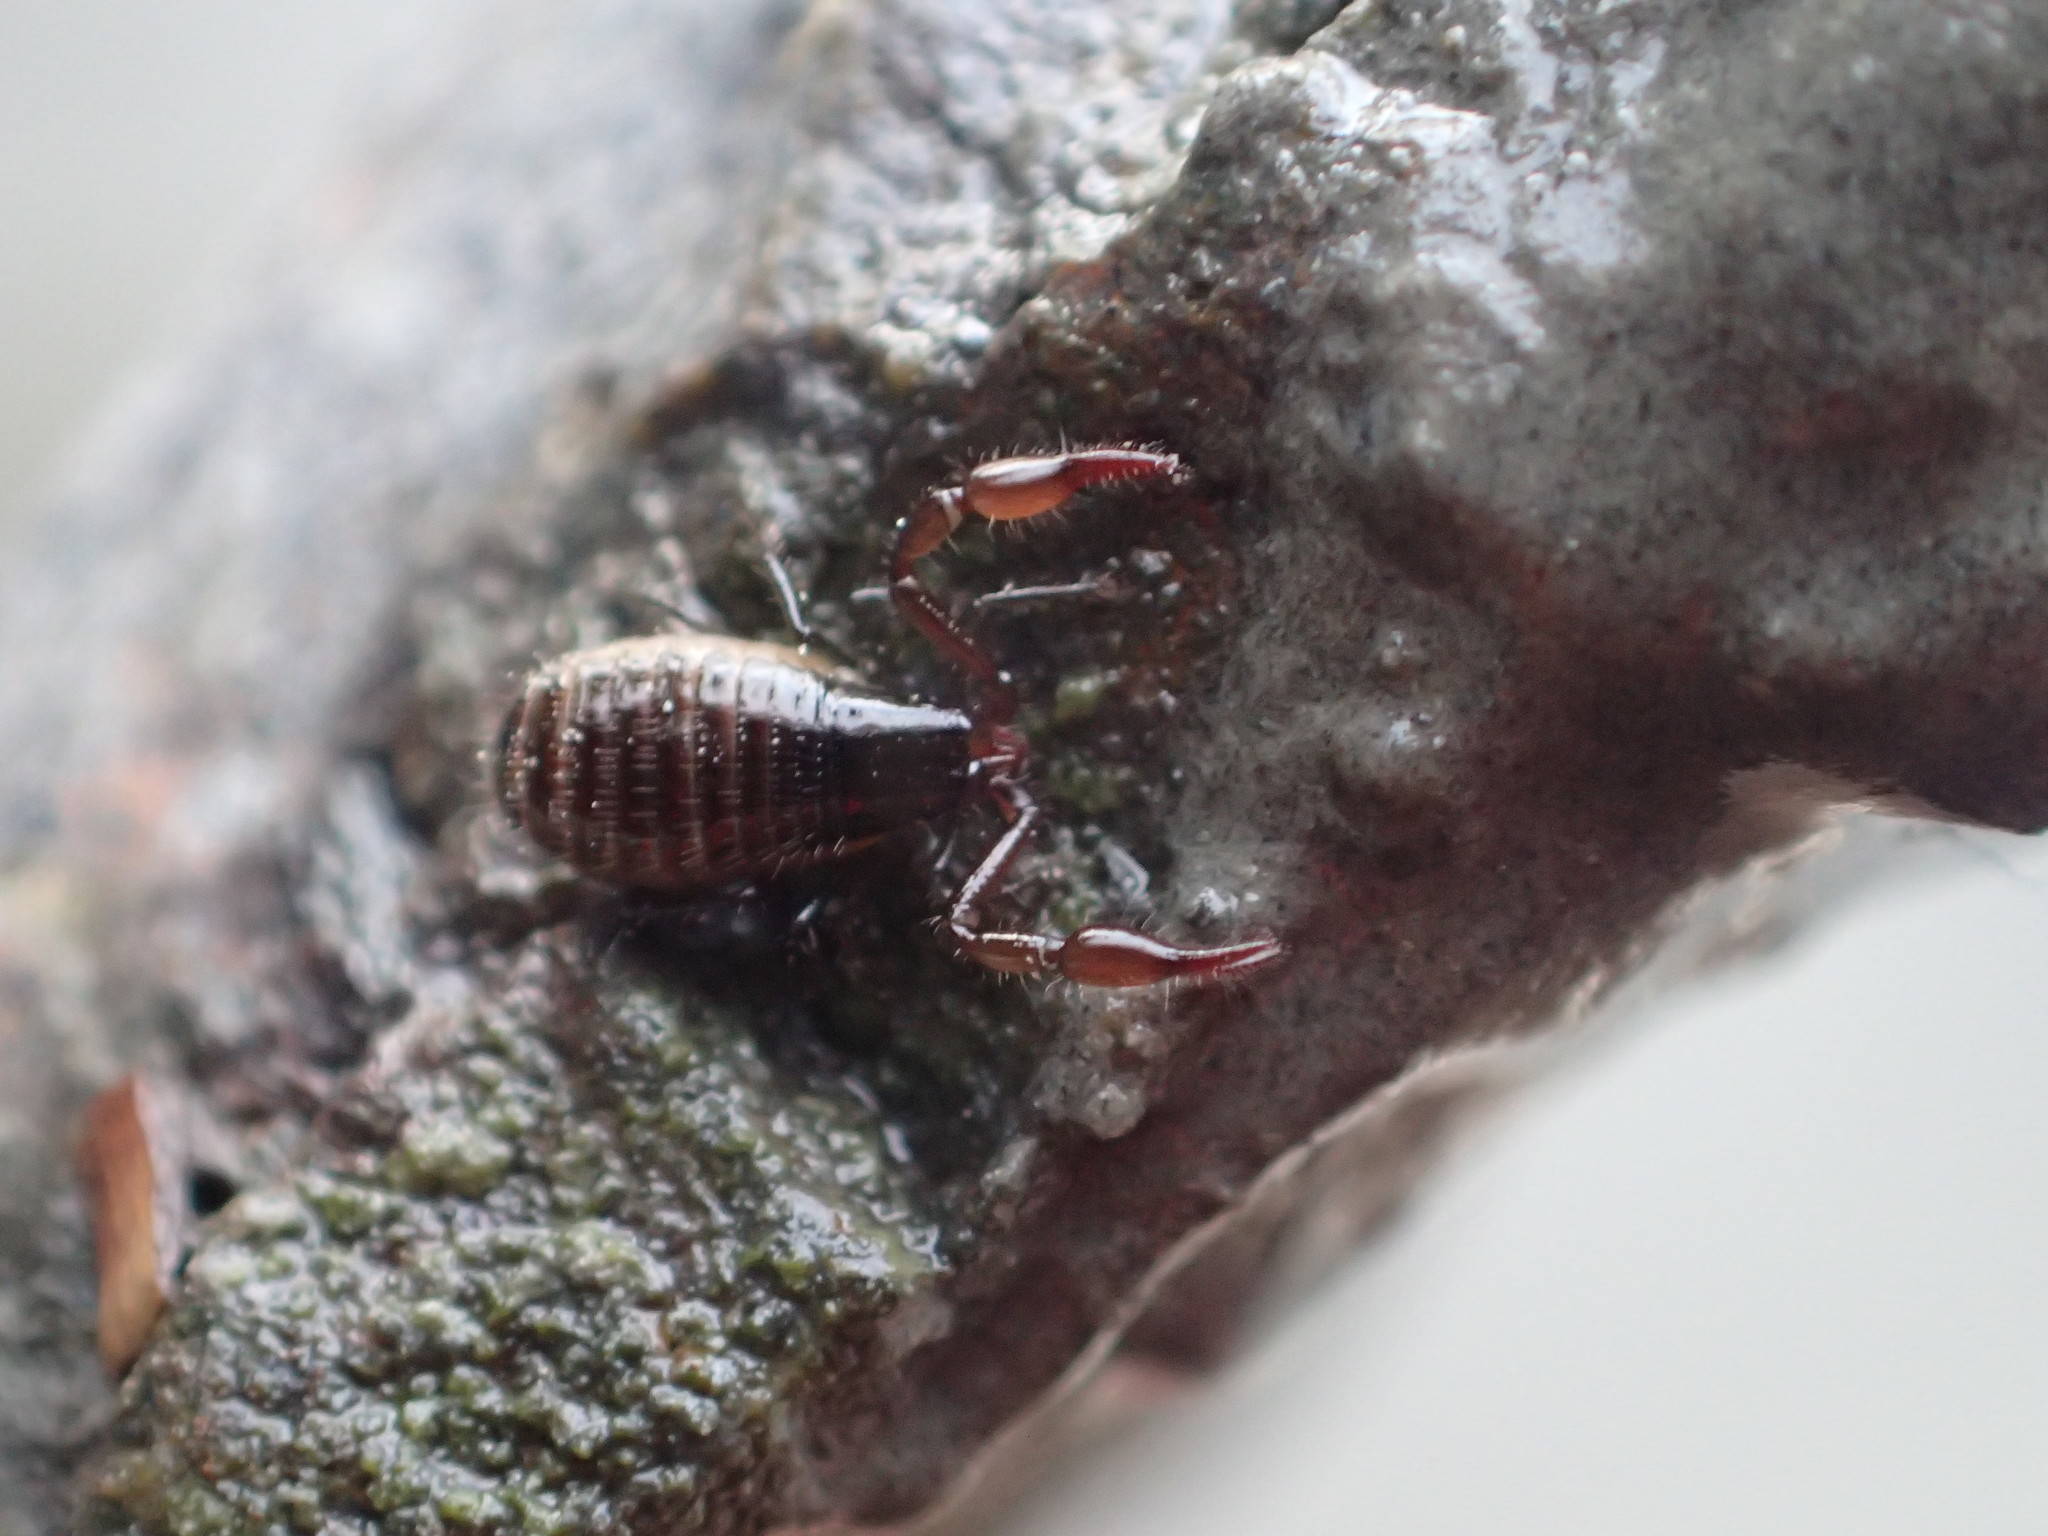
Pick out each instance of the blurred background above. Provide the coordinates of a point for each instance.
(1773, 1259)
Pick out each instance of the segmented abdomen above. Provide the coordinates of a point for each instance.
(674, 761)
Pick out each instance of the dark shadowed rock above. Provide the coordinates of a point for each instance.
(1615, 434)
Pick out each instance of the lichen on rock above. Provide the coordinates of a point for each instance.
(590, 1322)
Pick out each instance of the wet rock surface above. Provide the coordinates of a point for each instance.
(1614, 431)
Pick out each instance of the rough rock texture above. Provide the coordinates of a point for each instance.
(1616, 429)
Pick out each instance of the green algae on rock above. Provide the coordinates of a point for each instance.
(444, 1335)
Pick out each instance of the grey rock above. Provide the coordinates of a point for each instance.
(1615, 434)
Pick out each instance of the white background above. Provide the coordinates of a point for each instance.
(1775, 1260)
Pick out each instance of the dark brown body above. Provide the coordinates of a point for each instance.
(678, 761)
(671, 762)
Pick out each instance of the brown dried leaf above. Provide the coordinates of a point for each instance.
(135, 1178)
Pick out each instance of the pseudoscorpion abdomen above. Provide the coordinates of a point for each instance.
(674, 761)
